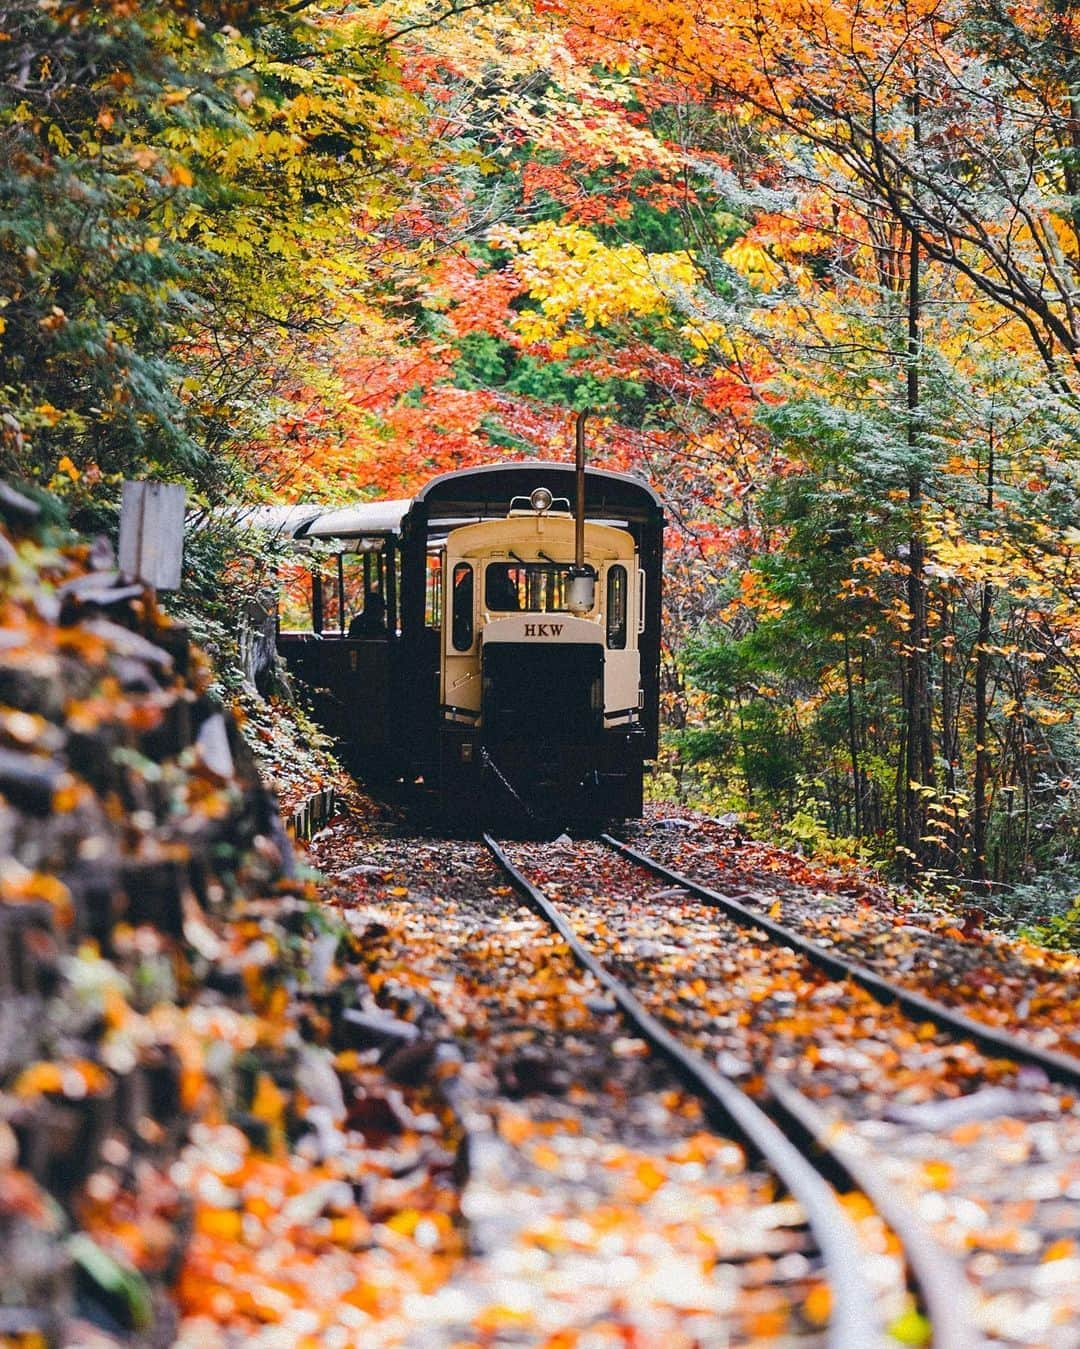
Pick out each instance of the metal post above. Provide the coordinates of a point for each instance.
(582, 596)
(341, 592)
(316, 596)
(579, 513)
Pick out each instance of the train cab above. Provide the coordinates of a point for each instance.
(542, 684)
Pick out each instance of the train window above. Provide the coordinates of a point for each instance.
(337, 591)
(294, 596)
(355, 569)
(616, 607)
(527, 587)
(329, 611)
(433, 604)
(462, 615)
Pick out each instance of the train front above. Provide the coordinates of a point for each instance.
(547, 714)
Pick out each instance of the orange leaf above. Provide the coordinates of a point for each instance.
(818, 1305)
(515, 1128)
(545, 1157)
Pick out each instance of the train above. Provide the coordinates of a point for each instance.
(494, 639)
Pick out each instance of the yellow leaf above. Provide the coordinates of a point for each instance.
(938, 1175)
(406, 1222)
(649, 1175)
(910, 1327)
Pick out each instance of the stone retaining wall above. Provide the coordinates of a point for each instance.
(131, 813)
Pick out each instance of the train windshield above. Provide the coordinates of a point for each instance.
(527, 587)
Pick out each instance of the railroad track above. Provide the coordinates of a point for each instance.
(1058, 1067)
(798, 1138)
(853, 1321)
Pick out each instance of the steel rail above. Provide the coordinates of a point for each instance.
(998, 1043)
(853, 1323)
(939, 1279)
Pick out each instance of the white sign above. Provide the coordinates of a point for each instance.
(152, 533)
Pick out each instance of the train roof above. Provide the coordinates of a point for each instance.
(286, 521)
(465, 496)
(487, 491)
(363, 519)
(366, 518)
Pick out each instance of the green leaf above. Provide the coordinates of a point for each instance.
(119, 1282)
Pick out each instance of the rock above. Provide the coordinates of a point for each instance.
(321, 958)
(29, 782)
(988, 1103)
(410, 1064)
(173, 733)
(326, 1139)
(373, 1116)
(317, 1078)
(134, 676)
(124, 642)
(212, 744)
(228, 982)
(16, 507)
(302, 1209)
(364, 1030)
(154, 889)
(530, 1071)
(35, 684)
(97, 587)
(102, 556)
(176, 642)
(730, 1065)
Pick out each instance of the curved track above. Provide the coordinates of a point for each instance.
(853, 1322)
(1058, 1067)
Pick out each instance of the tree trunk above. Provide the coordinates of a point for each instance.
(919, 760)
(853, 742)
(981, 803)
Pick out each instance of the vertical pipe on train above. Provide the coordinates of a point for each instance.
(579, 512)
(317, 597)
(582, 590)
(341, 593)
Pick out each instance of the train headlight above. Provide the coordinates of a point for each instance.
(540, 499)
(581, 594)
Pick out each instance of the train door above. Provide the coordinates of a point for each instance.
(460, 690)
(621, 601)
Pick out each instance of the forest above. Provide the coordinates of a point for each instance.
(813, 267)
